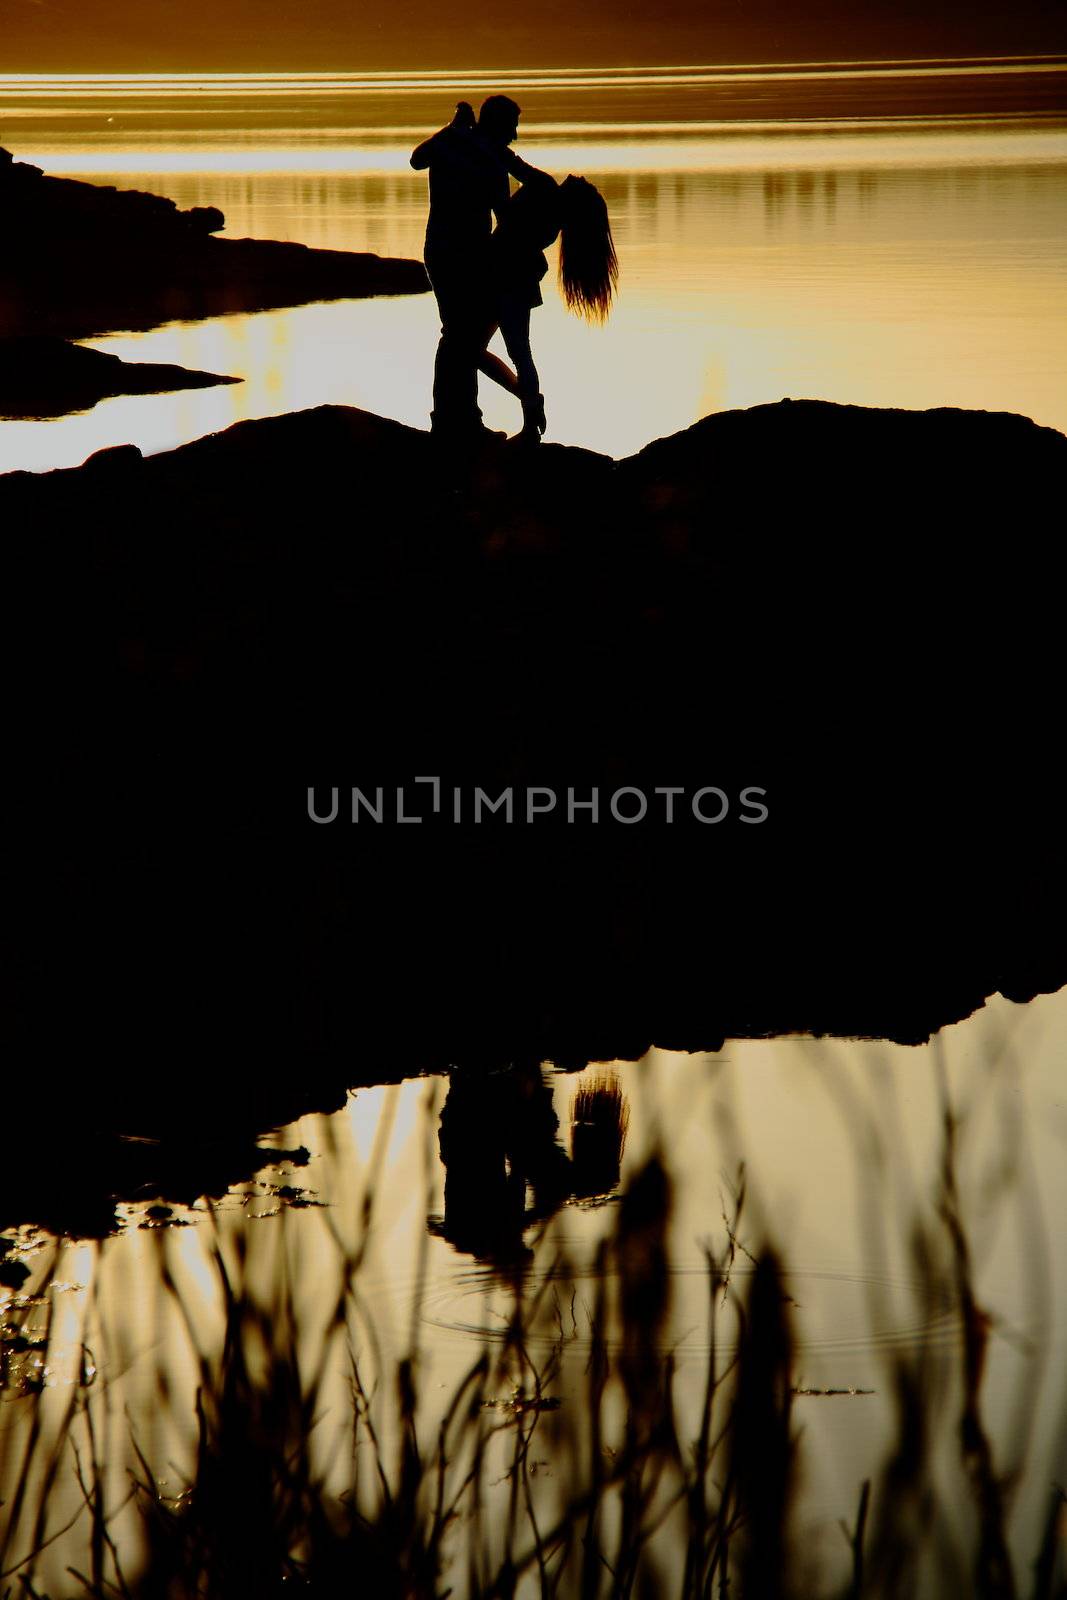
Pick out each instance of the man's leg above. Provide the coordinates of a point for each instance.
(464, 334)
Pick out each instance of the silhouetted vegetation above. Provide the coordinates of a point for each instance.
(315, 1459)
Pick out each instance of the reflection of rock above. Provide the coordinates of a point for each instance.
(82, 259)
(83, 1167)
(46, 377)
(800, 597)
(13, 1274)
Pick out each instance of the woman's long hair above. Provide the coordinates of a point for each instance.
(588, 268)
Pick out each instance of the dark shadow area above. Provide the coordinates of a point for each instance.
(855, 611)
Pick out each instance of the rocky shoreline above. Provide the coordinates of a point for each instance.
(855, 612)
(45, 377)
(82, 260)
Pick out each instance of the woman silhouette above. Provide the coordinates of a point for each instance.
(536, 214)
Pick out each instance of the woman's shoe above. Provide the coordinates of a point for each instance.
(533, 418)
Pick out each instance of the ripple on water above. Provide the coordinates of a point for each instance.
(831, 1313)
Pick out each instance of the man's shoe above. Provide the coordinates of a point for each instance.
(527, 437)
(464, 433)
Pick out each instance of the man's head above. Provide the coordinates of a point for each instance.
(498, 119)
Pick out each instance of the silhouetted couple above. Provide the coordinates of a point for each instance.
(486, 279)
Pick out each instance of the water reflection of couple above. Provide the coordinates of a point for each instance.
(499, 1139)
(485, 279)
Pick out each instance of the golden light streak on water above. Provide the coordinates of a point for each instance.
(259, 84)
(770, 148)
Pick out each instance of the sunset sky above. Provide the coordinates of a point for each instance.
(336, 35)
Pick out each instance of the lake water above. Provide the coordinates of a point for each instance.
(840, 1146)
(888, 237)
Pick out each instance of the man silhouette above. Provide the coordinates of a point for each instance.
(468, 164)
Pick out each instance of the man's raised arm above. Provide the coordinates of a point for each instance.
(519, 169)
(443, 142)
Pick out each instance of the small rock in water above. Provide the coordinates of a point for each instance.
(13, 1274)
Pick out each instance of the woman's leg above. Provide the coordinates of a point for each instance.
(515, 328)
(455, 378)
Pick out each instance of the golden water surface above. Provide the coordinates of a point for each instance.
(914, 259)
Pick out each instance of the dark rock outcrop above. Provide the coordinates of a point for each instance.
(82, 259)
(856, 611)
(46, 377)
